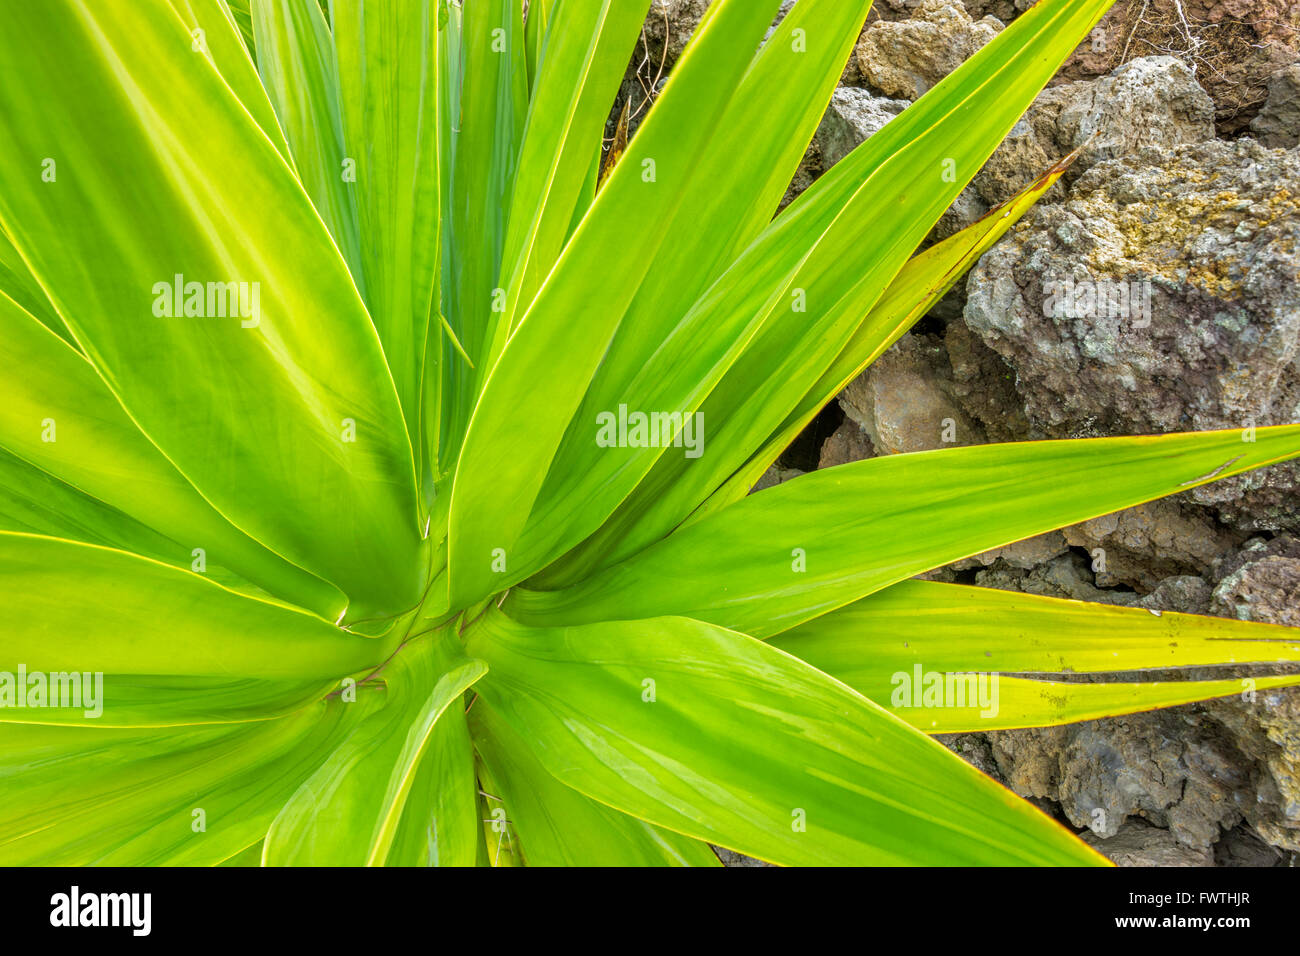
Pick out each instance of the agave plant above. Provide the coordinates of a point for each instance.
(376, 458)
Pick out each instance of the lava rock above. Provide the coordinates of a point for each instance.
(1161, 296)
(1278, 123)
(854, 115)
(847, 443)
(1233, 47)
(774, 476)
(904, 58)
(1153, 101)
(1262, 583)
(1139, 844)
(904, 403)
(1141, 546)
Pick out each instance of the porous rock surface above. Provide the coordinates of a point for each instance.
(1278, 123)
(904, 58)
(1209, 236)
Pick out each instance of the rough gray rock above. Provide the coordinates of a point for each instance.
(1266, 732)
(1139, 844)
(1179, 774)
(1024, 555)
(1065, 576)
(1185, 593)
(847, 443)
(1070, 575)
(1278, 123)
(1152, 101)
(1199, 321)
(1003, 10)
(1019, 160)
(1232, 45)
(774, 476)
(854, 115)
(903, 403)
(982, 382)
(904, 58)
(732, 858)
(1262, 583)
(1143, 545)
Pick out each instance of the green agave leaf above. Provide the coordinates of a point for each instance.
(957, 627)
(1019, 702)
(920, 284)
(241, 13)
(440, 824)
(180, 796)
(723, 738)
(348, 813)
(536, 28)
(19, 285)
(487, 69)
(558, 826)
(822, 265)
(299, 72)
(536, 386)
(113, 486)
(131, 700)
(586, 58)
(446, 383)
(667, 355)
(389, 76)
(76, 608)
(34, 502)
(888, 645)
(216, 33)
(589, 187)
(808, 546)
(306, 445)
(296, 369)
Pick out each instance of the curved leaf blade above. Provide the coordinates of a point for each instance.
(281, 354)
(824, 263)
(80, 609)
(750, 748)
(528, 399)
(179, 796)
(58, 416)
(348, 812)
(888, 646)
(558, 826)
(796, 551)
